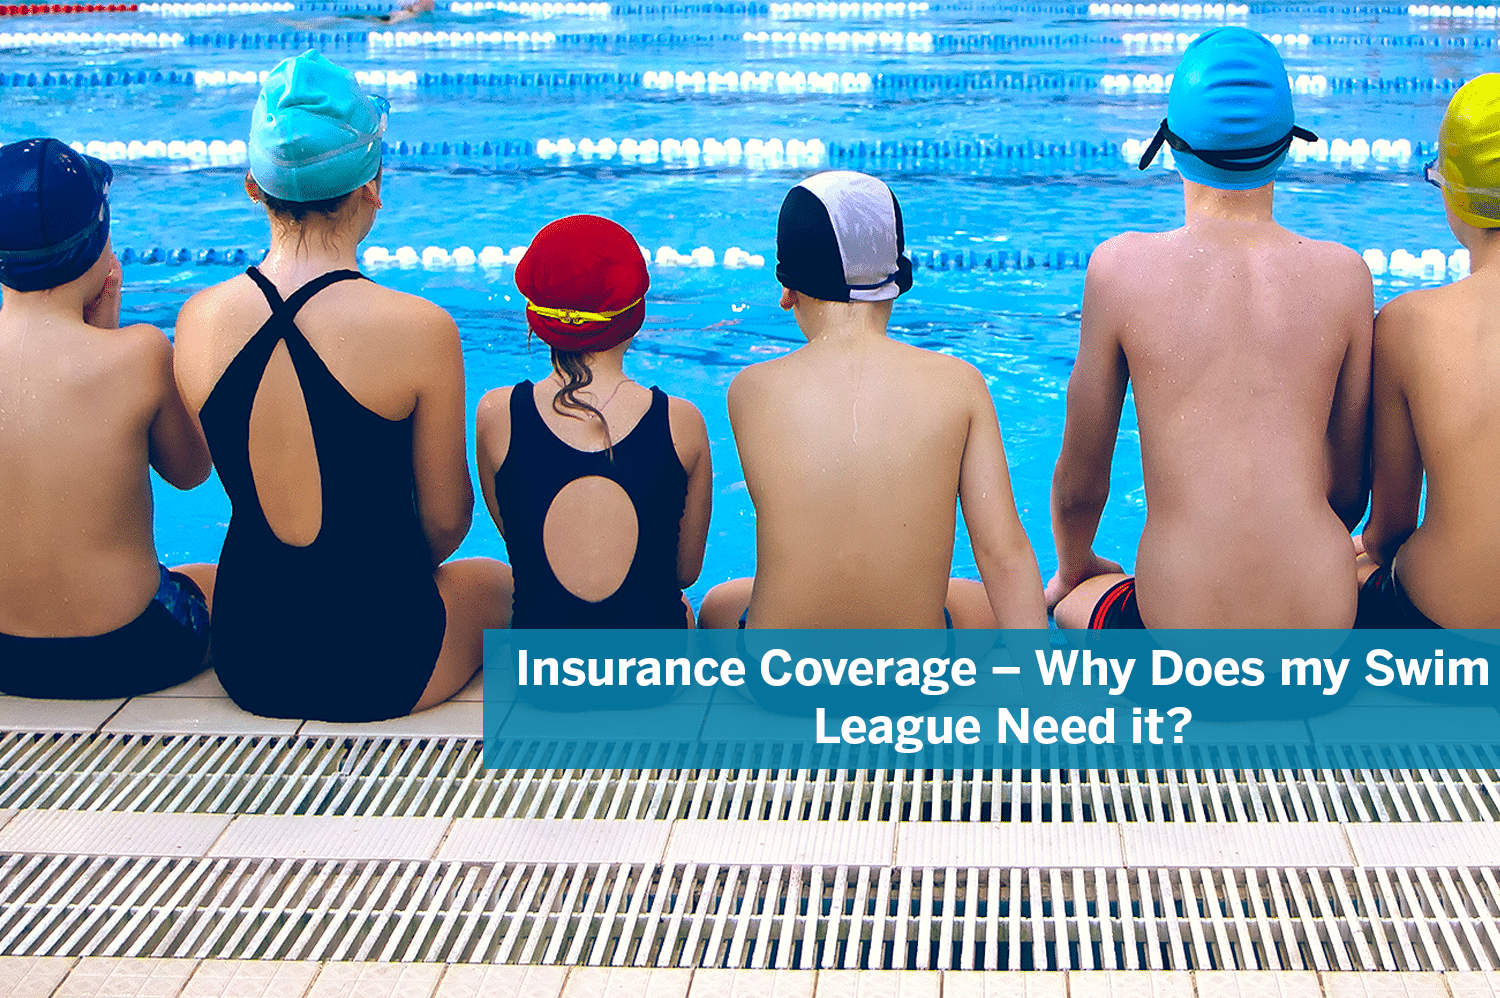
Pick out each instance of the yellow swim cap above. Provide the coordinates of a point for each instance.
(1468, 159)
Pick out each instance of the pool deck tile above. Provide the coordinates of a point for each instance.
(330, 837)
(1228, 845)
(1438, 843)
(1130, 984)
(480, 981)
(114, 833)
(852, 843)
(104, 977)
(1005, 984)
(1007, 844)
(251, 979)
(64, 716)
(739, 983)
(375, 980)
(204, 684)
(110, 977)
(1383, 984)
(193, 716)
(1474, 983)
(458, 718)
(563, 840)
(627, 982)
(32, 976)
(1257, 984)
(879, 984)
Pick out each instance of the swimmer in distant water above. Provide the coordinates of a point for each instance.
(1437, 359)
(408, 10)
(85, 609)
(857, 448)
(1249, 348)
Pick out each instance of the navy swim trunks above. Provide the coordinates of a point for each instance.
(164, 646)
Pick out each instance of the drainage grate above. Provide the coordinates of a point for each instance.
(756, 916)
(444, 777)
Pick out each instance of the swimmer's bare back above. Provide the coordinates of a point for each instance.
(1248, 349)
(1437, 360)
(852, 453)
(82, 412)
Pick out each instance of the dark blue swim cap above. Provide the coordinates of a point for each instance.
(1230, 93)
(54, 214)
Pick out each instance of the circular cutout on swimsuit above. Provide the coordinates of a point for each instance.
(590, 536)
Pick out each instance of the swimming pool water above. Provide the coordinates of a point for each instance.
(1018, 327)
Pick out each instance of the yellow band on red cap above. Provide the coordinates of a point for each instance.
(578, 317)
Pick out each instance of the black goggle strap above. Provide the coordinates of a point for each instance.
(1237, 160)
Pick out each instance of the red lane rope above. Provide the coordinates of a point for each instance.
(22, 10)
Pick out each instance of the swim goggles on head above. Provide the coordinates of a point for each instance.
(1483, 201)
(578, 317)
(1237, 160)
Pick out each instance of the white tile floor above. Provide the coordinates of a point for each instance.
(200, 706)
(60, 977)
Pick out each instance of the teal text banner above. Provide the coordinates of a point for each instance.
(655, 699)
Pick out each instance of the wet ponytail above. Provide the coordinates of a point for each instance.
(576, 374)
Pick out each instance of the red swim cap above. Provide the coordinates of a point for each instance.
(585, 284)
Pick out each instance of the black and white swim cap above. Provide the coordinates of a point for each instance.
(839, 238)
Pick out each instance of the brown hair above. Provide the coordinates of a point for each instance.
(573, 368)
(297, 211)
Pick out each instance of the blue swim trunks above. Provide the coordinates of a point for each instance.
(164, 646)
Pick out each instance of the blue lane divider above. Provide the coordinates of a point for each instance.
(1082, 151)
(1430, 265)
(1104, 153)
(884, 83)
(202, 257)
(1082, 9)
(1015, 259)
(971, 260)
(280, 40)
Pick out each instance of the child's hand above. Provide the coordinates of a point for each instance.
(1061, 585)
(104, 311)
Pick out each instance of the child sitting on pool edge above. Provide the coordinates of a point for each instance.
(1249, 347)
(86, 611)
(601, 487)
(855, 447)
(1435, 411)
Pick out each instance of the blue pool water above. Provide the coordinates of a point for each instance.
(1387, 75)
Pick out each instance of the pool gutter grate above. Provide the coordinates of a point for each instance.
(759, 916)
(444, 777)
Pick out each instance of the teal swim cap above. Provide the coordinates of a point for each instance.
(1229, 113)
(315, 134)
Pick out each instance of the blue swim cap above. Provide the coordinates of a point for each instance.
(315, 134)
(54, 214)
(1229, 113)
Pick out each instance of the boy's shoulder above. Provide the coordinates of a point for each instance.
(138, 347)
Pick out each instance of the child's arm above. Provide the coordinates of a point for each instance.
(445, 495)
(491, 444)
(178, 451)
(1002, 552)
(1349, 421)
(690, 437)
(1096, 395)
(1397, 489)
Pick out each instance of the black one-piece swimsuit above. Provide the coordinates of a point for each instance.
(645, 465)
(347, 628)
